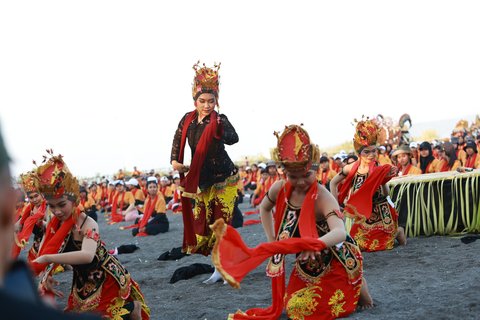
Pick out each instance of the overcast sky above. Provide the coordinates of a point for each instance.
(105, 82)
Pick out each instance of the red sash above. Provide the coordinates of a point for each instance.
(117, 216)
(234, 259)
(361, 201)
(191, 180)
(55, 233)
(28, 222)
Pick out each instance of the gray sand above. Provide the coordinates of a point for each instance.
(430, 278)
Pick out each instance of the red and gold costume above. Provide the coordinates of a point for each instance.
(375, 221)
(212, 177)
(325, 288)
(103, 286)
(32, 221)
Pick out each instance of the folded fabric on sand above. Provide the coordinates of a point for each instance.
(174, 254)
(190, 271)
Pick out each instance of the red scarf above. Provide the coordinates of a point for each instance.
(470, 163)
(235, 260)
(361, 201)
(28, 222)
(149, 209)
(55, 233)
(110, 196)
(163, 189)
(405, 172)
(190, 182)
(324, 177)
(117, 216)
(445, 166)
(134, 191)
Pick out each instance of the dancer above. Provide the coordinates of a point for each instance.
(100, 283)
(326, 281)
(365, 194)
(212, 177)
(33, 219)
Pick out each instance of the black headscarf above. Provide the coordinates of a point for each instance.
(425, 161)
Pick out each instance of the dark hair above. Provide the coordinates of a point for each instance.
(450, 152)
(323, 159)
(198, 94)
(471, 144)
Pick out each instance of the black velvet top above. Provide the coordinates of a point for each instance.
(217, 166)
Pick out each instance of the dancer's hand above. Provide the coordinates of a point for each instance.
(309, 255)
(43, 259)
(180, 167)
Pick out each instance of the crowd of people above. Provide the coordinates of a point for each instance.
(304, 198)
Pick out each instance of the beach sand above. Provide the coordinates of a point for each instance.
(430, 278)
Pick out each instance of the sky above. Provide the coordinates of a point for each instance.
(105, 83)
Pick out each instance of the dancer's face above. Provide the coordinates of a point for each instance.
(35, 198)
(301, 180)
(369, 154)
(205, 104)
(61, 208)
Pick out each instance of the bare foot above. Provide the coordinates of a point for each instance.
(401, 237)
(365, 300)
(137, 311)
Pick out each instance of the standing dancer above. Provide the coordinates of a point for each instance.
(212, 177)
(326, 281)
(365, 194)
(100, 283)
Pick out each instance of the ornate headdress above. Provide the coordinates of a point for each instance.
(206, 80)
(367, 133)
(28, 182)
(294, 149)
(54, 179)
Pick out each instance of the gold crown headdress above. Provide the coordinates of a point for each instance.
(54, 179)
(206, 80)
(367, 133)
(27, 181)
(294, 149)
